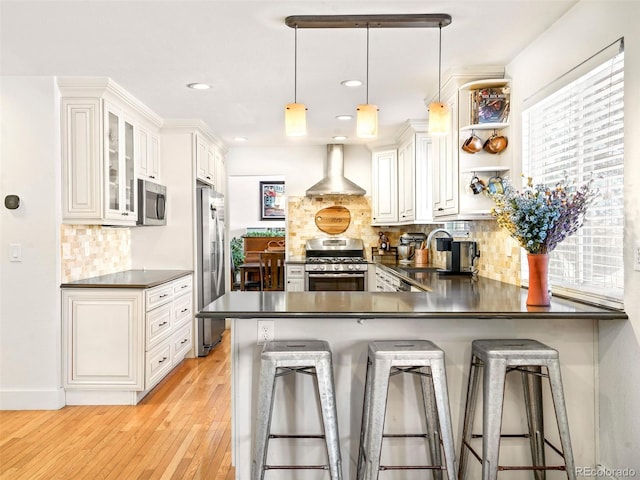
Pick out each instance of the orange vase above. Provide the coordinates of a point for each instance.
(538, 280)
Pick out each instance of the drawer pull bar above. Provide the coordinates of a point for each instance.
(162, 324)
(163, 295)
(163, 359)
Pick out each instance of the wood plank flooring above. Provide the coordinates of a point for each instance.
(180, 430)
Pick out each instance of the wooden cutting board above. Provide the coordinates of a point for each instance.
(333, 220)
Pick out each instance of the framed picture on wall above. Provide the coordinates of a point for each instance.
(272, 200)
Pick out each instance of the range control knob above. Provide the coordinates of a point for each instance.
(336, 267)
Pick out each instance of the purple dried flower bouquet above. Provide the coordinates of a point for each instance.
(539, 217)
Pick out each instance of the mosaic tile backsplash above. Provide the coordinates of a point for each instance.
(93, 250)
(499, 255)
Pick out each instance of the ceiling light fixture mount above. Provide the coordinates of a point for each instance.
(418, 20)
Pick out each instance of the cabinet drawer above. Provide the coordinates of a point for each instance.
(181, 343)
(159, 295)
(182, 310)
(295, 271)
(182, 285)
(158, 325)
(158, 364)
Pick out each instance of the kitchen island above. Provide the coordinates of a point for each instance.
(455, 312)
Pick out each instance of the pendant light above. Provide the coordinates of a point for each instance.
(367, 115)
(439, 113)
(295, 114)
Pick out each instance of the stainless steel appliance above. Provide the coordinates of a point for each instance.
(152, 203)
(211, 274)
(461, 255)
(409, 243)
(335, 264)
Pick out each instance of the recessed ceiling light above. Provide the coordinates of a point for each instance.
(344, 117)
(351, 83)
(240, 139)
(340, 137)
(199, 86)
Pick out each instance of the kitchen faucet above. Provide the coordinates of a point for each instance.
(432, 234)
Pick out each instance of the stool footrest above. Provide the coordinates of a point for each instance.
(296, 436)
(411, 467)
(517, 467)
(520, 435)
(405, 435)
(296, 467)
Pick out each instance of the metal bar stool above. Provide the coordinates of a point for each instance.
(418, 357)
(279, 358)
(497, 358)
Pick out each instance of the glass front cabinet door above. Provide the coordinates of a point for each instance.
(120, 177)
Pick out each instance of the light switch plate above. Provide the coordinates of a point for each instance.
(15, 252)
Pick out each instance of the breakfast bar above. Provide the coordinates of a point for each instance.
(453, 313)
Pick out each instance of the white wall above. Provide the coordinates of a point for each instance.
(584, 30)
(301, 167)
(244, 203)
(30, 328)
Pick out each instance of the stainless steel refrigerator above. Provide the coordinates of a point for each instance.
(211, 271)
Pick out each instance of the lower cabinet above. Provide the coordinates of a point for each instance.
(119, 343)
(295, 278)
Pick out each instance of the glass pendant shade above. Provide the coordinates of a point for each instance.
(367, 121)
(439, 118)
(295, 119)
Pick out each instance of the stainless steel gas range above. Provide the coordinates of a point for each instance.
(335, 264)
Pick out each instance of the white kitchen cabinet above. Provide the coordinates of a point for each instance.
(406, 181)
(384, 186)
(402, 178)
(103, 336)
(100, 149)
(445, 166)
(118, 343)
(208, 160)
(148, 156)
(295, 277)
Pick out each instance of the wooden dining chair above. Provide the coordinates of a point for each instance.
(272, 271)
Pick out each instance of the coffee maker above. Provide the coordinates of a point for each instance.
(409, 242)
(461, 255)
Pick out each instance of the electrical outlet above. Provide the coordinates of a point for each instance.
(266, 330)
(636, 257)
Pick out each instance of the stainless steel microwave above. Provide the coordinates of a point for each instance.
(152, 203)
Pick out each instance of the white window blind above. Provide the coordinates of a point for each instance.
(575, 132)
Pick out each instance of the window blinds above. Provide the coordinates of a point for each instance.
(575, 132)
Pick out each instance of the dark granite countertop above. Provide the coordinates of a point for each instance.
(129, 279)
(461, 298)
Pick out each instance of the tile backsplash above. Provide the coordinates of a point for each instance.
(499, 255)
(92, 250)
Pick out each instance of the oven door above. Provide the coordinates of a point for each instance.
(327, 282)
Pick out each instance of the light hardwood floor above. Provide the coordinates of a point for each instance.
(180, 430)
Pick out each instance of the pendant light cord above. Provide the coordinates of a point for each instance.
(439, 59)
(367, 89)
(295, 66)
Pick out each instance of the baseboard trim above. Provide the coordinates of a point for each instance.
(32, 399)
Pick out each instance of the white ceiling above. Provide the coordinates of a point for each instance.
(246, 52)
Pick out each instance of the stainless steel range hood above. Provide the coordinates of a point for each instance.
(334, 181)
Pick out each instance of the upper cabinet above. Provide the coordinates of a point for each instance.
(148, 155)
(402, 178)
(209, 163)
(384, 186)
(102, 146)
(445, 165)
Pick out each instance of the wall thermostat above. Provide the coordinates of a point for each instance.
(12, 202)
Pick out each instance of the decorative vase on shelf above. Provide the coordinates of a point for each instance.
(538, 280)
